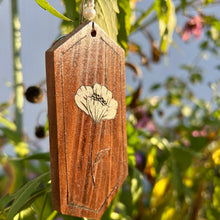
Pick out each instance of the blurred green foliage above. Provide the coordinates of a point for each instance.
(173, 139)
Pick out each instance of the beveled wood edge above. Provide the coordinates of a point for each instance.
(50, 79)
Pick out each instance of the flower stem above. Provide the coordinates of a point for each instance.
(17, 68)
(93, 181)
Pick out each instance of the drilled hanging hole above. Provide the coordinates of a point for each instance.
(93, 33)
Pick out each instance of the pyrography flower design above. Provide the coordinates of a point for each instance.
(97, 102)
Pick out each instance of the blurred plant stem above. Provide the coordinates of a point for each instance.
(81, 13)
(140, 25)
(141, 18)
(17, 67)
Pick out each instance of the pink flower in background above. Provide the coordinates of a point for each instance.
(192, 27)
(144, 120)
(195, 133)
(202, 133)
(151, 127)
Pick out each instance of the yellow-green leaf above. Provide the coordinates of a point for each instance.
(24, 193)
(21, 148)
(106, 17)
(8, 124)
(167, 22)
(45, 5)
(124, 23)
(115, 6)
(72, 9)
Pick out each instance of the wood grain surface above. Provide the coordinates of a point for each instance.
(86, 58)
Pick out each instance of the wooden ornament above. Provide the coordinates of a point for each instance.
(87, 121)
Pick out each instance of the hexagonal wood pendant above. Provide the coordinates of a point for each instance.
(87, 121)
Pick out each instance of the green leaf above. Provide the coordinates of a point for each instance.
(5, 200)
(124, 24)
(8, 198)
(45, 5)
(216, 196)
(131, 156)
(212, 213)
(195, 78)
(183, 4)
(206, 2)
(109, 210)
(129, 99)
(130, 194)
(24, 193)
(182, 157)
(106, 17)
(167, 22)
(72, 12)
(8, 124)
(52, 215)
(11, 134)
(26, 214)
(176, 178)
(212, 21)
(46, 126)
(9, 130)
(21, 148)
(132, 136)
(155, 87)
(2, 216)
(42, 206)
(38, 156)
(194, 73)
(204, 45)
(13, 173)
(136, 186)
(4, 107)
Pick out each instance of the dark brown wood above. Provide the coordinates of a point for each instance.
(87, 121)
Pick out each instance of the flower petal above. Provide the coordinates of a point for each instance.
(106, 94)
(81, 104)
(85, 91)
(186, 35)
(91, 106)
(97, 89)
(113, 104)
(110, 114)
(101, 112)
(112, 110)
(96, 110)
(81, 97)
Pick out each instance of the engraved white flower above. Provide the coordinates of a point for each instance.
(97, 102)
